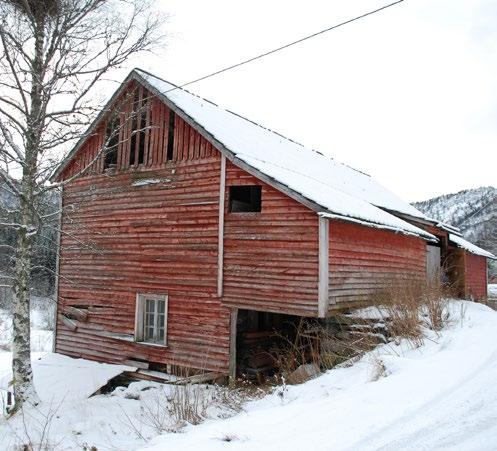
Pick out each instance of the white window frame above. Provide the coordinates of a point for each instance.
(141, 299)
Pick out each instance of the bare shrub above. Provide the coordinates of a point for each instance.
(296, 349)
(155, 413)
(174, 406)
(409, 305)
(187, 404)
(400, 301)
(36, 431)
(318, 346)
(232, 399)
(435, 306)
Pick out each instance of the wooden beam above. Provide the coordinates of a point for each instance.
(324, 267)
(76, 313)
(57, 265)
(69, 323)
(199, 378)
(136, 363)
(220, 253)
(232, 362)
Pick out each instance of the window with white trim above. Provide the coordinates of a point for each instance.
(151, 318)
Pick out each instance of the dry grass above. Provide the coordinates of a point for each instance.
(315, 346)
(407, 308)
(171, 407)
(296, 349)
(435, 306)
(175, 406)
(35, 431)
(409, 305)
(400, 302)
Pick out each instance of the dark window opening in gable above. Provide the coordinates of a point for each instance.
(170, 136)
(134, 127)
(142, 126)
(111, 142)
(245, 199)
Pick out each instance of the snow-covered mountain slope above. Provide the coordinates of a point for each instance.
(474, 211)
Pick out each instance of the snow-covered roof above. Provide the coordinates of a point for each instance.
(470, 247)
(448, 228)
(336, 189)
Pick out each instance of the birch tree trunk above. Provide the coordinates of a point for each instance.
(24, 389)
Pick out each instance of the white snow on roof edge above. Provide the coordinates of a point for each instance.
(470, 247)
(413, 231)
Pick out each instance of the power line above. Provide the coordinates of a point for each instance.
(298, 41)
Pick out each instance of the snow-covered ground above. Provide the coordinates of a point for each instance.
(492, 291)
(439, 396)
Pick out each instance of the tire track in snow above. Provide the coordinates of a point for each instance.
(463, 400)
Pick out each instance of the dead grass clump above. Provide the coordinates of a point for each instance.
(401, 303)
(317, 346)
(175, 406)
(410, 305)
(296, 350)
(188, 404)
(436, 306)
(171, 407)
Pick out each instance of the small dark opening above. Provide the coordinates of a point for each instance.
(111, 142)
(170, 136)
(245, 199)
(263, 339)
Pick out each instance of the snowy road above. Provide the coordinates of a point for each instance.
(441, 396)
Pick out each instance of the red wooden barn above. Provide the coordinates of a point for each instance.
(185, 225)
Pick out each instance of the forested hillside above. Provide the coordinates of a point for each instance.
(44, 249)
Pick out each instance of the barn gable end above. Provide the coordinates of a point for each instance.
(154, 229)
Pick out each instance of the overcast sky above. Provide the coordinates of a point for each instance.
(407, 95)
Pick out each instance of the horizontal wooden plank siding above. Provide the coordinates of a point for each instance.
(187, 143)
(476, 276)
(271, 257)
(363, 260)
(145, 232)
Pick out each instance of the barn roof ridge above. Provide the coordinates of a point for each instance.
(258, 124)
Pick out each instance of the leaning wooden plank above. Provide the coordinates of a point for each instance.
(199, 378)
(68, 322)
(76, 313)
(137, 364)
(156, 376)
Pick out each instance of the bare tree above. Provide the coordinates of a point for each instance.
(53, 55)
